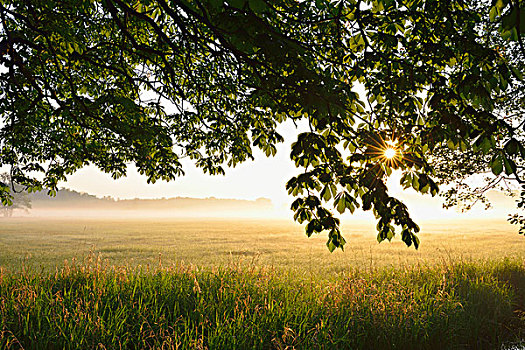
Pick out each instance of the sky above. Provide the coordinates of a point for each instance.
(264, 177)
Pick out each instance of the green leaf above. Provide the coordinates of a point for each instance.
(258, 6)
(510, 166)
(326, 193)
(341, 205)
(493, 13)
(486, 145)
(516, 72)
(462, 146)
(237, 3)
(512, 147)
(522, 150)
(415, 239)
(215, 4)
(496, 165)
(508, 21)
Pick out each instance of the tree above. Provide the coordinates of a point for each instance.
(497, 26)
(109, 82)
(19, 199)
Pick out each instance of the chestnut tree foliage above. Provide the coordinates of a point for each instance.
(148, 82)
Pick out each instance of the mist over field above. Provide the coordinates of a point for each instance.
(213, 231)
(73, 204)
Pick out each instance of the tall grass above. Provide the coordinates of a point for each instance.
(476, 305)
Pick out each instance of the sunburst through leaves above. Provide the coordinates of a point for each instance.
(390, 153)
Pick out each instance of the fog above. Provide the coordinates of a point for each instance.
(70, 204)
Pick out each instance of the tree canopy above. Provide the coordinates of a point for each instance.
(113, 82)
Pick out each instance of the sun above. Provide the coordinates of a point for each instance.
(390, 153)
(387, 151)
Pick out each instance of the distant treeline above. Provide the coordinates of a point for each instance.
(73, 200)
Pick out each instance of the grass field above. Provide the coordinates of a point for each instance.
(41, 242)
(221, 284)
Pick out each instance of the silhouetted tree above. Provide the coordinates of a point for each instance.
(19, 199)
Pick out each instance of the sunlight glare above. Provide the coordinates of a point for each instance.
(390, 153)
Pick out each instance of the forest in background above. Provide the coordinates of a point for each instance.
(70, 200)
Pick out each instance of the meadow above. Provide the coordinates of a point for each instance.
(45, 243)
(221, 283)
